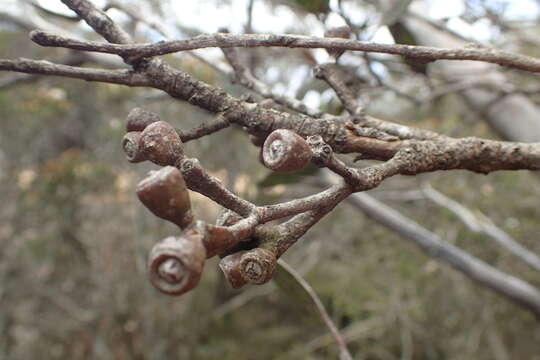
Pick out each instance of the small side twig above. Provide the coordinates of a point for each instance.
(197, 179)
(208, 128)
(328, 72)
(244, 77)
(344, 353)
(42, 67)
(293, 229)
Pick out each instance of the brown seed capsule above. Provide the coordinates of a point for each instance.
(230, 266)
(138, 119)
(130, 144)
(257, 265)
(284, 150)
(161, 144)
(165, 194)
(175, 264)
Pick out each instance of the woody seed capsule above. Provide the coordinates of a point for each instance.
(165, 194)
(130, 145)
(175, 264)
(284, 150)
(161, 144)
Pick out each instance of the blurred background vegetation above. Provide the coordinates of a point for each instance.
(74, 239)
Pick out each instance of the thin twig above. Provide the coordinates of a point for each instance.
(200, 181)
(421, 53)
(42, 67)
(157, 26)
(99, 21)
(244, 77)
(207, 128)
(344, 353)
(328, 72)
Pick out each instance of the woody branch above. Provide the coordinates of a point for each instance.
(223, 40)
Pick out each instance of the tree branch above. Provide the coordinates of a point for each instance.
(99, 21)
(245, 78)
(441, 153)
(514, 289)
(420, 53)
(205, 129)
(42, 67)
(328, 73)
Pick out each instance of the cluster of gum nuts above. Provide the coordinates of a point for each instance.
(175, 264)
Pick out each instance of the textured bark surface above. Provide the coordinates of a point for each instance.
(421, 53)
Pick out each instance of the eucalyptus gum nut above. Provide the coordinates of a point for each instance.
(257, 265)
(131, 147)
(175, 264)
(161, 144)
(138, 119)
(230, 266)
(165, 194)
(284, 150)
